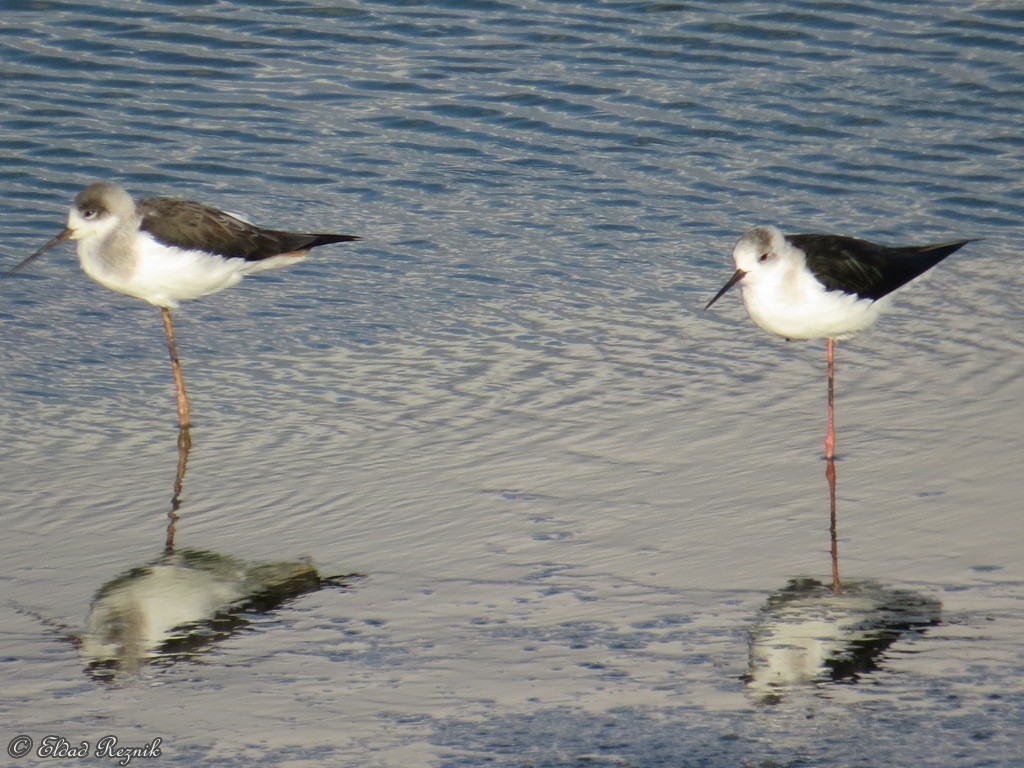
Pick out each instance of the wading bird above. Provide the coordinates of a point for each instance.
(823, 286)
(165, 250)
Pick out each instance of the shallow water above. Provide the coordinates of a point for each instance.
(569, 491)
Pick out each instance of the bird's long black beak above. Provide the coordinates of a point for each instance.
(55, 241)
(738, 275)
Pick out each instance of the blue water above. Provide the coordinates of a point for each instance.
(570, 491)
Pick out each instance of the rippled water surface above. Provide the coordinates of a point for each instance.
(576, 509)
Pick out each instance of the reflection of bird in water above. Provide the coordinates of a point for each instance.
(823, 286)
(179, 603)
(165, 250)
(808, 634)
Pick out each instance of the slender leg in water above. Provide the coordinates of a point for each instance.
(830, 474)
(184, 445)
(184, 416)
(830, 436)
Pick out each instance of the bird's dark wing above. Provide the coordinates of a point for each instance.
(867, 269)
(194, 226)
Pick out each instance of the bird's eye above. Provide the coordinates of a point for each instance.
(89, 213)
(763, 258)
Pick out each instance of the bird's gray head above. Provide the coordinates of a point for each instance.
(97, 211)
(99, 208)
(758, 248)
(756, 254)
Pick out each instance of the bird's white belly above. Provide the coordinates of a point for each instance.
(162, 275)
(816, 314)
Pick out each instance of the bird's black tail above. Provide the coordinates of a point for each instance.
(326, 239)
(868, 269)
(914, 260)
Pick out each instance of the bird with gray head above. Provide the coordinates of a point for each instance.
(165, 250)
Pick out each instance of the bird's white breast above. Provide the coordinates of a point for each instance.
(160, 274)
(793, 304)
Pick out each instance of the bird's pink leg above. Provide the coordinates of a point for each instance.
(184, 416)
(830, 455)
(830, 474)
(830, 436)
(184, 446)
